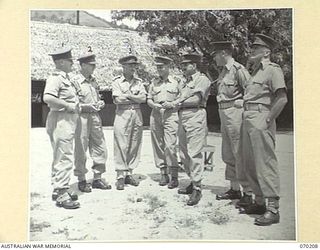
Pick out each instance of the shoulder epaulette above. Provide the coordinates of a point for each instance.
(238, 65)
(117, 77)
(176, 79)
(139, 79)
(77, 78)
(55, 74)
(274, 65)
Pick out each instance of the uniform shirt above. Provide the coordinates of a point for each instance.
(265, 81)
(121, 86)
(87, 88)
(231, 81)
(163, 90)
(197, 83)
(59, 85)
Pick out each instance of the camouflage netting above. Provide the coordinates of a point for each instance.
(108, 45)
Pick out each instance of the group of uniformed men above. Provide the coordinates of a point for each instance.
(248, 107)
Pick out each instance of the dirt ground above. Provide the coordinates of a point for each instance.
(151, 212)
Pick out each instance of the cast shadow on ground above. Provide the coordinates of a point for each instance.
(139, 177)
(185, 182)
(74, 186)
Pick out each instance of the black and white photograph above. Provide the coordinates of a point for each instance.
(162, 125)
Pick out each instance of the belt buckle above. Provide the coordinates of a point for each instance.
(246, 106)
(132, 106)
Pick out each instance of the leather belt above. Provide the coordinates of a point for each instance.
(195, 107)
(226, 105)
(256, 107)
(89, 112)
(128, 106)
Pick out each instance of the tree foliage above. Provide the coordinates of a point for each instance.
(195, 30)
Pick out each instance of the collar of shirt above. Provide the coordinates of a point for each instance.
(264, 63)
(195, 75)
(81, 79)
(61, 73)
(169, 79)
(229, 64)
(123, 79)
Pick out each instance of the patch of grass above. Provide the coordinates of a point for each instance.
(210, 204)
(38, 227)
(159, 218)
(187, 222)
(62, 231)
(83, 237)
(34, 206)
(34, 195)
(131, 199)
(219, 218)
(154, 203)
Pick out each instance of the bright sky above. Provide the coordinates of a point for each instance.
(106, 14)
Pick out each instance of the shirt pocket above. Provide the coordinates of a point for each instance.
(67, 91)
(135, 90)
(256, 87)
(156, 94)
(172, 94)
(228, 87)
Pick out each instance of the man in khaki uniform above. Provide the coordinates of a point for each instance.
(164, 122)
(89, 133)
(193, 121)
(264, 98)
(230, 86)
(128, 93)
(61, 97)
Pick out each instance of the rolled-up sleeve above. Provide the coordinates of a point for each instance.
(52, 86)
(243, 77)
(277, 80)
(116, 91)
(149, 95)
(202, 87)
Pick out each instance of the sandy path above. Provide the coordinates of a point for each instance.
(161, 214)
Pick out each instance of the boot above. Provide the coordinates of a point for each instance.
(254, 208)
(100, 184)
(64, 200)
(268, 218)
(84, 186)
(229, 195)
(245, 201)
(129, 180)
(195, 197)
(164, 180)
(72, 194)
(173, 183)
(120, 184)
(187, 190)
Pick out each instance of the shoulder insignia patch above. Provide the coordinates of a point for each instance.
(238, 65)
(274, 65)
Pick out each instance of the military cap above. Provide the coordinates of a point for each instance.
(221, 45)
(89, 58)
(162, 60)
(191, 58)
(128, 60)
(266, 41)
(61, 53)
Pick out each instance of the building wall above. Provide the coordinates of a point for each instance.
(40, 110)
